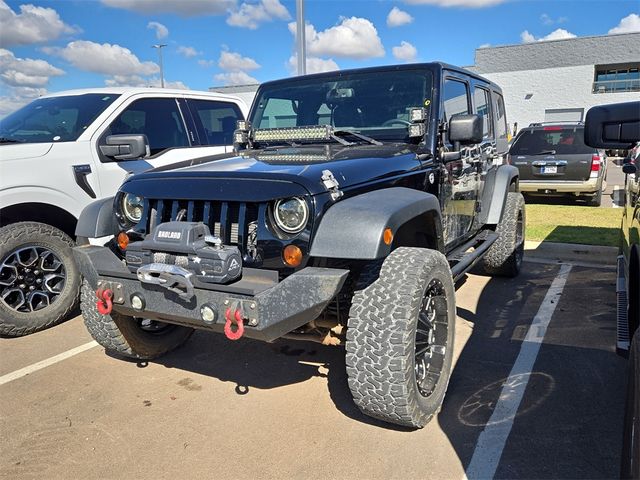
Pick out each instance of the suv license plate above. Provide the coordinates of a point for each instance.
(550, 169)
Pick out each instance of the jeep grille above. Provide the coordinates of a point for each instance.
(234, 222)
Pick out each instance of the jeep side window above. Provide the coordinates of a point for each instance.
(157, 118)
(482, 107)
(215, 121)
(455, 98)
(501, 118)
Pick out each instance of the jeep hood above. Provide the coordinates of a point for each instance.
(303, 166)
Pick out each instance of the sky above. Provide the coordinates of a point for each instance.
(55, 45)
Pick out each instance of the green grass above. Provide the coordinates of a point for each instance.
(574, 224)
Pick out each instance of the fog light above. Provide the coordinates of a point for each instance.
(292, 255)
(208, 314)
(137, 302)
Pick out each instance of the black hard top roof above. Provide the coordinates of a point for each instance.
(385, 68)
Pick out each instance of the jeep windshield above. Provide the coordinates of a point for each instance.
(374, 104)
(54, 119)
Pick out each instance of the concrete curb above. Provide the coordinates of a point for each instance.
(571, 252)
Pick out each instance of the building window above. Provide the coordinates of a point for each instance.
(616, 78)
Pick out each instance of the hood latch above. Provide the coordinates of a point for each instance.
(331, 184)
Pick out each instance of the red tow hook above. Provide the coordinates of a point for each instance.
(238, 320)
(104, 303)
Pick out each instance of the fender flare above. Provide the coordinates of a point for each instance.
(97, 220)
(353, 228)
(497, 184)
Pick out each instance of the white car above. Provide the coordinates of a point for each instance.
(65, 150)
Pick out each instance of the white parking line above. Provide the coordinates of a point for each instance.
(493, 438)
(9, 377)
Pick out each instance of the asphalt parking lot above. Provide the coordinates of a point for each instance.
(547, 407)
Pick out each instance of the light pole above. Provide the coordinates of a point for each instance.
(160, 46)
(301, 47)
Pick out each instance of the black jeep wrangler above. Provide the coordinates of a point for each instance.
(353, 202)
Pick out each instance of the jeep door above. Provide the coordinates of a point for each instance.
(460, 177)
(173, 131)
(488, 147)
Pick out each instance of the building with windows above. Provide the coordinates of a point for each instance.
(561, 79)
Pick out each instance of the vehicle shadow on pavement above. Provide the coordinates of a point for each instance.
(251, 364)
(570, 419)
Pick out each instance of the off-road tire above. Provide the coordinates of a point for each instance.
(630, 460)
(122, 335)
(26, 234)
(381, 338)
(504, 257)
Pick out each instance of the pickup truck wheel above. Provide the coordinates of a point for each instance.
(400, 338)
(504, 257)
(39, 280)
(128, 336)
(630, 461)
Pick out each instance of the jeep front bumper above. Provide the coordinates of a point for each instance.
(270, 308)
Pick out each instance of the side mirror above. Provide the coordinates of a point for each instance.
(465, 129)
(613, 126)
(126, 147)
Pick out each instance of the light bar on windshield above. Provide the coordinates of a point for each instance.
(313, 132)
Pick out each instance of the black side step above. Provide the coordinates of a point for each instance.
(463, 259)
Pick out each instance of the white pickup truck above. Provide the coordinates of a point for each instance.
(65, 150)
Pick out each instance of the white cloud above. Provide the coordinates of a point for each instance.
(397, 18)
(251, 15)
(485, 45)
(235, 78)
(188, 52)
(234, 62)
(18, 97)
(558, 34)
(206, 63)
(405, 52)
(548, 20)
(103, 58)
(457, 3)
(630, 23)
(138, 81)
(161, 30)
(25, 72)
(353, 38)
(185, 8)
(314, 65)
(32, 25)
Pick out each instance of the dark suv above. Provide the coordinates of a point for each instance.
(553, 160)
(353, 202)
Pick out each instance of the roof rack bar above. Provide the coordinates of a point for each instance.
(559, 122)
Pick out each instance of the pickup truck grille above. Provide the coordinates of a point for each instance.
(234, 222)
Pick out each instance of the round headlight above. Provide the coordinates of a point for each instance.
(132, 206)
(291, 214)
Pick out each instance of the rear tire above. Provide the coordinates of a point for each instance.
(596, 200)
(400, 338)
(630, 461)
(39, 279)
(125, 336)
(504, 257)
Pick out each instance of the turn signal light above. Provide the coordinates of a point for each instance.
(387, 236)
(292, 255)
(123, 240)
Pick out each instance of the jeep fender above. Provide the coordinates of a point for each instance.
(497, 184)
(353, 228)
(97, 220)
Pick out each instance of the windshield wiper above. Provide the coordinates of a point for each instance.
(370, 140)
(545, 152)
(10, 140)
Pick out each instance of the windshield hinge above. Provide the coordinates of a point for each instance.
(331, 184)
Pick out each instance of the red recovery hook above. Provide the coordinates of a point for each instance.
(237, 318)
(104, 303)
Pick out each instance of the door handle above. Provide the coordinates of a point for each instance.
(80, 173)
